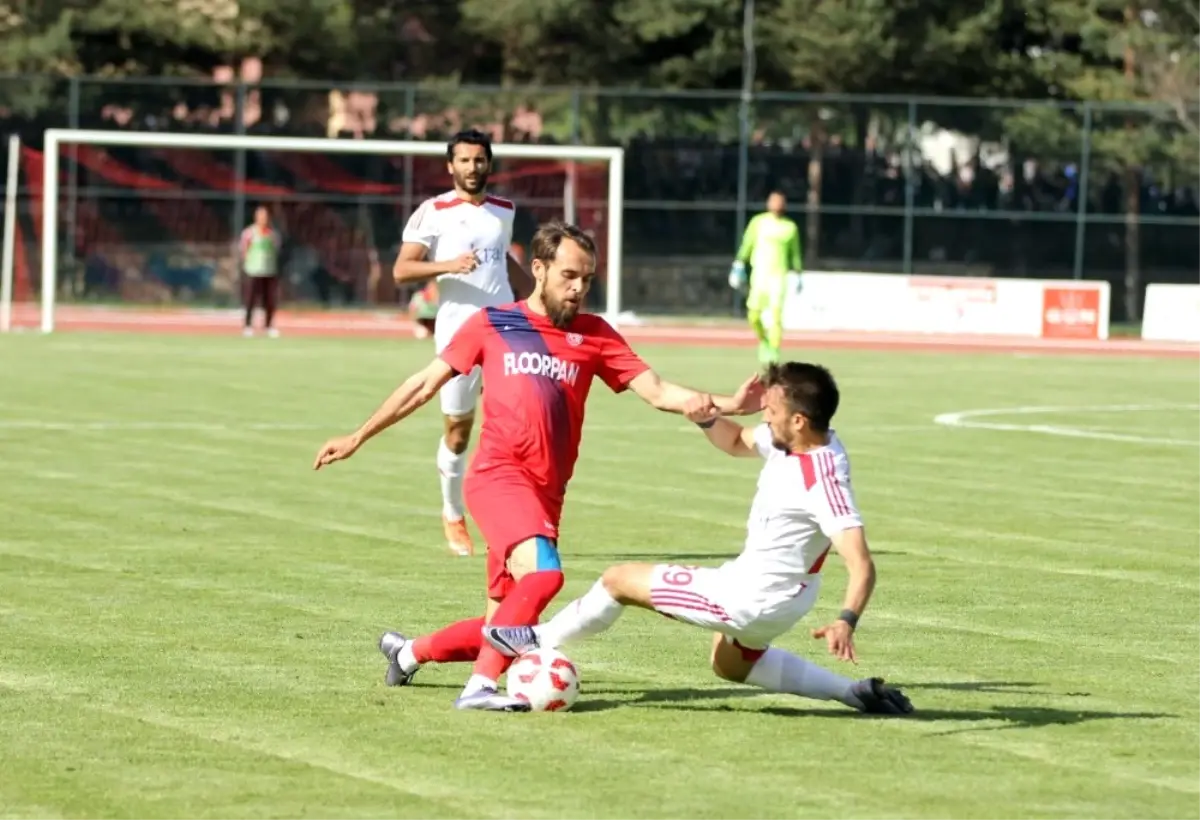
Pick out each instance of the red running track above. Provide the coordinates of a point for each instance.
(382, 324)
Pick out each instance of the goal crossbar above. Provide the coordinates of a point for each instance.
(56, 137)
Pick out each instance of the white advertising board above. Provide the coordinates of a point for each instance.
(887, 303)
(1171, 313)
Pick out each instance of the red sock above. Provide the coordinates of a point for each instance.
(456, 643)
(523, 606)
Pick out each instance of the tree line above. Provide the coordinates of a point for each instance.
(1108, 51)
(1055, 49)
(1143, 51)
(1142, 56)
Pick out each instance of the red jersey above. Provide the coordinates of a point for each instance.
(536, 380)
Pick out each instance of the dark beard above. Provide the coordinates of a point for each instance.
(560, 315)
(479, 188)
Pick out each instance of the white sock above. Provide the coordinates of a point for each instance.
(477, 683)
(450, 469)
(407, 660)
(780, 671)
(590, 615)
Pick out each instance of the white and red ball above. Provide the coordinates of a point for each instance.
(546, 679)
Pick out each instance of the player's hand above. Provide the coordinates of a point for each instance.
(700, 408)
(839, 636)
(464, 263)
(737, 275)
(749, 397)
(335, 449)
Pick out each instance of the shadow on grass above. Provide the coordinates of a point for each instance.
(1001, 687)
(998, 717)
(713, 559)
(718, 693)
(1007, 717)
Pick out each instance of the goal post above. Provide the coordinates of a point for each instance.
(56, 138)
(7, 261)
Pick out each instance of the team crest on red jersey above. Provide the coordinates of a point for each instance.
(574, 339)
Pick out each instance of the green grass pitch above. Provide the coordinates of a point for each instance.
(189, 614)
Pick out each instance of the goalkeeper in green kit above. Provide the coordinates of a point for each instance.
(771, 245)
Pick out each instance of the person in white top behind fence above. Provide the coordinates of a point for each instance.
(462, 239)
(803, 507)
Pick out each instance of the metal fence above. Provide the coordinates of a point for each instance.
(930, 185)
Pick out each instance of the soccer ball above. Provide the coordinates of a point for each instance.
(546, 679)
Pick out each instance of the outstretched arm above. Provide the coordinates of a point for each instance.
(727, 436)
(417, 390)
(660, 394)
(672, 398)
(621, 368)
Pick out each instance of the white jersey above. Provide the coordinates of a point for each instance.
(803, 500)
(449, 226)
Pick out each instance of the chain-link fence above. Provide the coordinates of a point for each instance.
(889, 184)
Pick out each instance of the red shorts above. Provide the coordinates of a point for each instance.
(508, 511)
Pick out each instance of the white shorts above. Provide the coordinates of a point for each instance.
(716, 598)
(459, 395)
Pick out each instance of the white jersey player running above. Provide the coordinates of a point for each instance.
(803, 507)
(462, 239)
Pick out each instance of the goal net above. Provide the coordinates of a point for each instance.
(108, 222)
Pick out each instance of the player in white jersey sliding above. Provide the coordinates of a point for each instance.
(462, 239)
(804, 505)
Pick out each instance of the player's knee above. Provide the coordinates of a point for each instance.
(458, 433)
(611, 581)
(719, 668)
(617, 583)
(628, 584)
(537, 559)
(730, 661)
(725, 673)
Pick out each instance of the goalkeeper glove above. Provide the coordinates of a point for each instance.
(737, 275)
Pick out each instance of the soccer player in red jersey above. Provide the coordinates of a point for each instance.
(538, 359)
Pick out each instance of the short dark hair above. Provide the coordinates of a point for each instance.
(551, 234)
(469, 136)
(808, 389)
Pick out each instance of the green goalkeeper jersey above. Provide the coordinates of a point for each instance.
(771, 245)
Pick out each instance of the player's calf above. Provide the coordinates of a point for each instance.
(451, 462)
(457, 432)
(778, 671)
